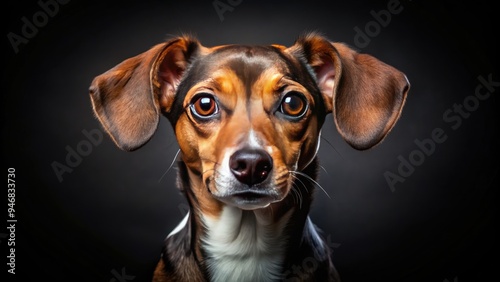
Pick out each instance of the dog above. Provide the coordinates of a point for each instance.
(248, 122)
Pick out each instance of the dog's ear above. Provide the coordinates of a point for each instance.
(128, 98)
(365, 95)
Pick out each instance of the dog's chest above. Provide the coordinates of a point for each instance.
(244, 246)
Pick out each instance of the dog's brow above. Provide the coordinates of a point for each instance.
(248, 69)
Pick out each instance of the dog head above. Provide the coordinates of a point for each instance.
(247, 118)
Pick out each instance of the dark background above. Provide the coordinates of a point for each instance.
(109, 215)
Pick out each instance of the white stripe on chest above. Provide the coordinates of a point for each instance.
(244, 246)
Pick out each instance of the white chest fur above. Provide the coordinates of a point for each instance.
(244, 246)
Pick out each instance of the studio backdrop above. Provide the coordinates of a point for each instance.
(420, 206)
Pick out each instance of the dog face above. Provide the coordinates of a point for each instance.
(235, 109)
(248, 118)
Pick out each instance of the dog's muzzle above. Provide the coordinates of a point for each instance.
(251, 184)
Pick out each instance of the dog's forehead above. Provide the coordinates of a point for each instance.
(247, 62)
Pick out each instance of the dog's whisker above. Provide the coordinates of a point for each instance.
(296, 189)
(312, 180)
(298, 195)
(333, 147)
(298, 179)
(300, 191)
(323, 169)
(171, 165)
(294, 195)
(293, 192)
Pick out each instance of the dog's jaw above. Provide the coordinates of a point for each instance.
(244, 245)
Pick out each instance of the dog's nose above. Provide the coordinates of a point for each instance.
(250, 166)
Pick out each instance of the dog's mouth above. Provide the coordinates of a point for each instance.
(249, 199)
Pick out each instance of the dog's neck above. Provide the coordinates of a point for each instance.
(240, 245)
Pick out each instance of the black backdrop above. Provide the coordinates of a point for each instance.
(419, 207)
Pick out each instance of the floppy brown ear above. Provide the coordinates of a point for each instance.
(365, 95)
(128, 98)
(368, 99)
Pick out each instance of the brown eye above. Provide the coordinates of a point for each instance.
(204, 106)
(293, 105)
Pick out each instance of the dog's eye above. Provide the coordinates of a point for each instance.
(293, 105)
(204, 106)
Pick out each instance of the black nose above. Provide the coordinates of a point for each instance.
(250, 166)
